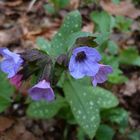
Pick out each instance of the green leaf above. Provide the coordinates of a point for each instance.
(116, 1)
(72, 38)
(6, 91)
(80, 134)
(104, 98)
(112, 47)
(135, 135)
(71, 24)
(132, 54)
(49, 8)
(86, 102)
(44, 45)
(60, 3)
(66, 36)
(85, 110)
(45, 110)
(4, 103)
(65, 113)
(105, 133)
(61, 80)
(123, 23)
(117, 77)
(102, 21)
(101, 38)
(110, 60)
(118, 116)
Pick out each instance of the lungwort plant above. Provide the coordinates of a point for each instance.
(67, 71)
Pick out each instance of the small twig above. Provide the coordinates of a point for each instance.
(31, 5)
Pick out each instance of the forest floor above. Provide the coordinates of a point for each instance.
(21, 23)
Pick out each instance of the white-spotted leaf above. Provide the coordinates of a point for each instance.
(71, 24)
(85, 110)
(86, 102)
(44, 45)
(45, 110)
(104, 98)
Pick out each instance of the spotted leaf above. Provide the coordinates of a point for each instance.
(86, 103)
(71, 24)
(45, 110)
(104, 98)
(85, 110)
(44, 45)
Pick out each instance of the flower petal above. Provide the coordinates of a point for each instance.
(75, 68)
(91, 53)
(36, 94)
(50, 95)
(7, 67)
(16, 80)
(6, 53)
(78, 71)
(87, 67)
(90, 68)
(101, 76)
(3, 52)
(11, 62)
(43, 84)
(41, 91)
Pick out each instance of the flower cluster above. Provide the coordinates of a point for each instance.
(83, 62)
(11, 64)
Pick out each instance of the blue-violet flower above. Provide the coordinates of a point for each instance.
(42, 91)
(10, 63)
(102, 74)
(84, 62)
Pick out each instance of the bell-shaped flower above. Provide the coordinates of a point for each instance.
(42, 91)
(84, 62)
(102, 74)
(11, 62)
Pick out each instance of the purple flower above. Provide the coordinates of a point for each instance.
(102, 74)
(42, 90)
(16, 80)
(84, 62)
(11, 62)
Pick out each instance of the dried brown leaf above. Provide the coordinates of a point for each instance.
(88, 28)
(124, 8)
(10, 35)
(5, 123)
(16, 132)
(74, 4)
(132, 86)
(12, 3)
